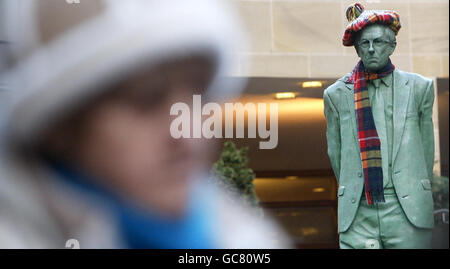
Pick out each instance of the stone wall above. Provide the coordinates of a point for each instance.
(301, 38)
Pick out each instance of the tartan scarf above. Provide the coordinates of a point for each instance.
(369, 142)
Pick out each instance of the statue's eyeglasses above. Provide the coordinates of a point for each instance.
(378, 42)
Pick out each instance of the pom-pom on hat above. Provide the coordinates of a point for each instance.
(359, 18)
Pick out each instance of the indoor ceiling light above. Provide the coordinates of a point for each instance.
(318, 189)
(285, 95)
(312, 84)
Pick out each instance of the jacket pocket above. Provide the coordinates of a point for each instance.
(426, 184)
(341, 191)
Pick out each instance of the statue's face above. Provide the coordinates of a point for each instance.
(374, 46)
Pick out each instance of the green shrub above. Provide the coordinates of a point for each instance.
(439, 186)
(231, 173)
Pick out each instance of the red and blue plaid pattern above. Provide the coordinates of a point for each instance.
(369, 17)
(369, 142)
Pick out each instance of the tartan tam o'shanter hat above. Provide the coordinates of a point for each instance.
(359, 19)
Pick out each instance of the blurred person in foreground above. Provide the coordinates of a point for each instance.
(86, 148)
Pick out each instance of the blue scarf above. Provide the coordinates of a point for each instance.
(144, 229)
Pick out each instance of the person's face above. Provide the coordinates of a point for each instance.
(374, 47)
(126, 142)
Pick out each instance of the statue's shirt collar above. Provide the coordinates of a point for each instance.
(387, 80)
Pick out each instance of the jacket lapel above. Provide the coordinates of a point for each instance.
(351, 106)
(401, 99)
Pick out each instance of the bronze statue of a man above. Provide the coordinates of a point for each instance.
(380, 141)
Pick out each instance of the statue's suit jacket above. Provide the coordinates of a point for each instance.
(413, 147)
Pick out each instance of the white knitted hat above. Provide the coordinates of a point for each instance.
(61, 74)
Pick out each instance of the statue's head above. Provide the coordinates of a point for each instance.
(374, 44)
(372, 33)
